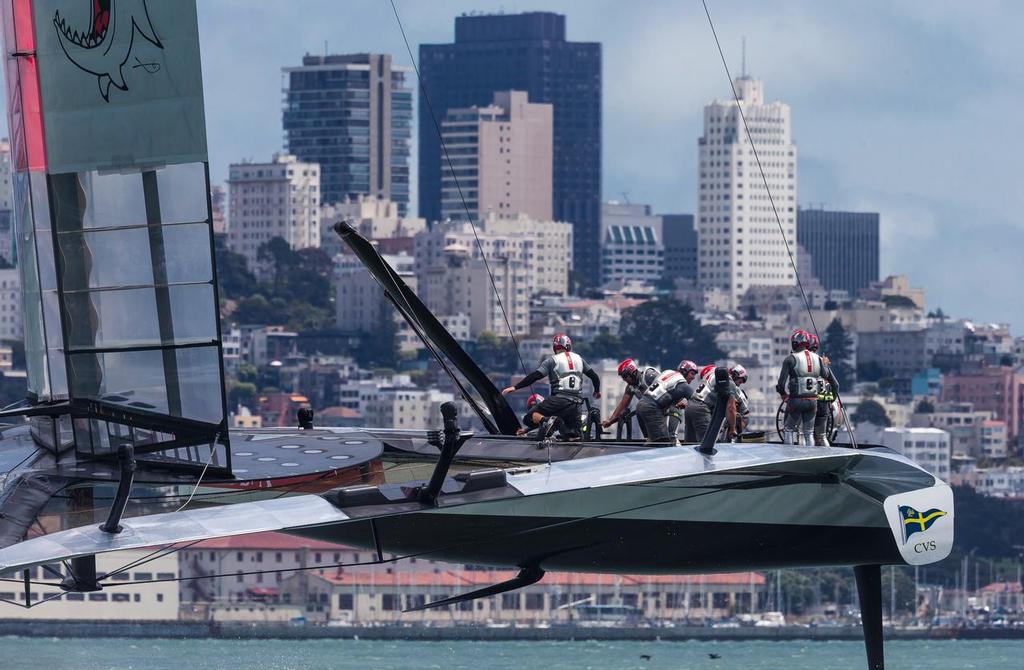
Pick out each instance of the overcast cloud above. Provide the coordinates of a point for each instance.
(910, 109)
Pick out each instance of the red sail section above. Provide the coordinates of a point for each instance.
(25, 117)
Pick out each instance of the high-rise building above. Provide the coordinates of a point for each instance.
(375, 218)
(523, 52)
(543, 248)
(352, 114)
(739, 242)
(276, 199)
(501, 159)
(843, 247)
(680, 246)
(632, 248)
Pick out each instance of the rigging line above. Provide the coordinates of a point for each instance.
(771, 199)
(458, 184)
(201, 474)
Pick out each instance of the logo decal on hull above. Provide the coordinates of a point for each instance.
(104, 47)
(917, 522)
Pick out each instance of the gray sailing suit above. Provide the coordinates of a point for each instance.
(668, 389)
(800, 379)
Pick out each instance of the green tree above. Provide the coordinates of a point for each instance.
(492, 353)
(838, 346)
(241, 393)
(602, 345)
(870, 411)
(925, 407)
(258, 310)
(234, 277)
(664, 331)
(380, 348)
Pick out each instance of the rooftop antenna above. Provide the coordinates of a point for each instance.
(743, 61)
(325, 49)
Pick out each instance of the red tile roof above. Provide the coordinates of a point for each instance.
(1002, 587)
(265, 541)
(477, 578)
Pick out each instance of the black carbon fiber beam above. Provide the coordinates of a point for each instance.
(869, 592)
(707, 445)
(526, 577)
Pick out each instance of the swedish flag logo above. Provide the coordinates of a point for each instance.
(917, 522)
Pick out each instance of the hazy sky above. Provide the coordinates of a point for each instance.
(910, 109)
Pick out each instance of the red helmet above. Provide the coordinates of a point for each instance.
(800, 339)
(628, 370)
(738, 373)
(706, 371)
(686, 366)
(561, 342)
(814, 342)
(534, 399)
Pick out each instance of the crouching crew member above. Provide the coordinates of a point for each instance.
(565, 371)
(697, 416)
(799, 382)
(535, 421)
(676, 412)
(667, 390)
(738, 374)
(637, 380)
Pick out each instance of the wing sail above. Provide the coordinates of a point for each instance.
(171, 528)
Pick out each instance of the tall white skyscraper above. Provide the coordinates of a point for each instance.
(739, 240)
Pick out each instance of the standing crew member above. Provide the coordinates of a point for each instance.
(826, 396)
(676, 416)
(667, 390)
(637, 381)
(565, 371)
(799, 383)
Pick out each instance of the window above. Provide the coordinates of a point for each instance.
(345, 601)
(165, 575)
(98, 597)
(389, 602)
(120, 597)
(534, 601)
(143, 576)
(510, 601)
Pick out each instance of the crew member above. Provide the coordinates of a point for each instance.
(545, 425)
(826, 396)
(637, 380)
(565, 371)
(676, 416)
(738, 375)
(697, 416)
(667, 390)
(799, 383)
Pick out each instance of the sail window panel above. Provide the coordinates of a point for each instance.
(135, 317)
(57, 375)
(45, 259)
(94, 200)
(124, 257)
(40, 200)
(143, 380)
(183, 194)
(201, 397)
(187, 254)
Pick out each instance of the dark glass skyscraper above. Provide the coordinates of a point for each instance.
(843, 247)
(352, 114)
(680, 246)
(523, 52)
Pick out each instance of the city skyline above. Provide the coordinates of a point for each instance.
(894, 110)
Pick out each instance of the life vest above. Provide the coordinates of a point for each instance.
(567, 374)
(665, 383)
(707, 385)
(647, 378)
(807, 367)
